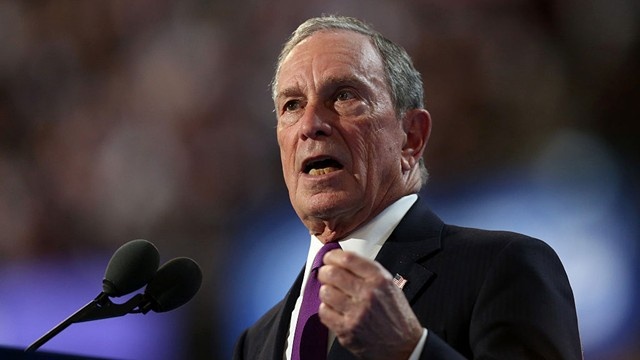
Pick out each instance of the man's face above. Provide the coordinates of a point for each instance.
(340, 141)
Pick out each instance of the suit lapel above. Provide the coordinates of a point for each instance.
(416, 237)
(284, 319)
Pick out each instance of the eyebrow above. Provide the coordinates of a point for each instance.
(327, 83)
(334, 81)
(289, 92)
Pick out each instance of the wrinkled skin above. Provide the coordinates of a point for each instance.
(368, 313)
(333, 101)
(346, 157)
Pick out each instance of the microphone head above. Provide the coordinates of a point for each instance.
(131, 267)
(175, 283)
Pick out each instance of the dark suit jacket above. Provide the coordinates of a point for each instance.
(480, 294)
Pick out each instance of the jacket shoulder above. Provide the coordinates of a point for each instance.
(492, 242)
(252, 344)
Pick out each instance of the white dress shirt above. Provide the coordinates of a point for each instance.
(365, 241)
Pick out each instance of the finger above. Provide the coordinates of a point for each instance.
(335, 298)
(328, 316)
(340, 278)
(356, 264)
(331, 318)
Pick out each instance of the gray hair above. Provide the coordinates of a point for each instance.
(404, 81)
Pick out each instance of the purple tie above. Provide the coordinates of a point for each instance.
(310, 340)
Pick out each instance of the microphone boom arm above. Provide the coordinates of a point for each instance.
(99, 308)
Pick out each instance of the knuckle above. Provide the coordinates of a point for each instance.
(323, 311)
(326, 273)
(378, 281)
(367, 296)
(325, 292)
(348, 257)
(330, 271)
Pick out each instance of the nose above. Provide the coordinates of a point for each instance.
(314, 124)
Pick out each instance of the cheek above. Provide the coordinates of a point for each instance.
(380, 152)
(362, 145)
(287, 152)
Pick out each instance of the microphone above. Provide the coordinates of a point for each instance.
(132, 266)
(176, 282)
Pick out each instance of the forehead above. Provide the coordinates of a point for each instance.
(330, 54)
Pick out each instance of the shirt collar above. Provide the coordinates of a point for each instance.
(368, 239)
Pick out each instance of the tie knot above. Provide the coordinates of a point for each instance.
(317, 261)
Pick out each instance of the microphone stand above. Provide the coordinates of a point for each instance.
(99, 308)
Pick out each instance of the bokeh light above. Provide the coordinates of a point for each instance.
(153, 119)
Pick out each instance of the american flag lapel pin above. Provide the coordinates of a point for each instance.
(399, 281)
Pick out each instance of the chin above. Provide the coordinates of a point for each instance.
(329, 206)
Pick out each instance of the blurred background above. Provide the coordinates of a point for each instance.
(152, 119)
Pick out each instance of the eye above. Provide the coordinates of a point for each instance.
(345, 94)
(292, 105)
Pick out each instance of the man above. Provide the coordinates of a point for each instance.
(352, 130)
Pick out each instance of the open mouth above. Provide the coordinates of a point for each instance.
(322, 166)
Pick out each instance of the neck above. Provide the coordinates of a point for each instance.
(337, 228)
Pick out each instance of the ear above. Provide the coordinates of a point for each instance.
(417, 127)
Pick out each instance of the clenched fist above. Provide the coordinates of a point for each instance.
(369, 314)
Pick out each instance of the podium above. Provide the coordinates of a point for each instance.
(7, 353)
